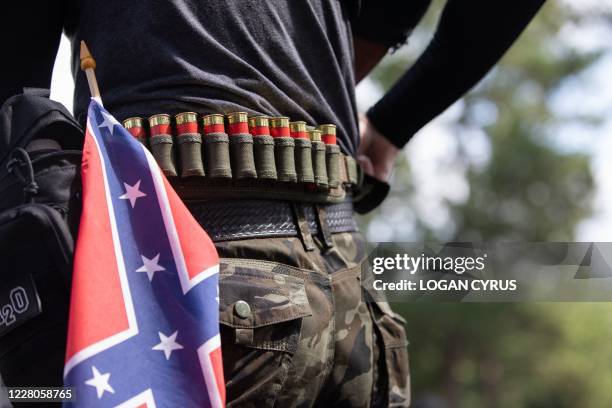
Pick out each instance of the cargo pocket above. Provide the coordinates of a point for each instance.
(392, 373)
(261, 310)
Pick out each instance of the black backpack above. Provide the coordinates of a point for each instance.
(40, 158)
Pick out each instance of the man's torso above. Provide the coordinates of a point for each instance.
(272, 57)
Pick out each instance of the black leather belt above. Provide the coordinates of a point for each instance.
(226, 220)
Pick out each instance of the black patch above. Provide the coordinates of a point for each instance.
(19, 302)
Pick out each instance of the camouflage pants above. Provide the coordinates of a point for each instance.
(296, 332)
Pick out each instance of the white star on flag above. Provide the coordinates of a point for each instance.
(167, 344)
(150, 266)
(100, 381)
(132, 193)
(109, 122)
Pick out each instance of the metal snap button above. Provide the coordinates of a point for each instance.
(242, 309)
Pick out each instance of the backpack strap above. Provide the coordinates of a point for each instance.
(32, 115)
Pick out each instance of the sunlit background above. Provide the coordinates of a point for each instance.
(526, 156)
(514, 159)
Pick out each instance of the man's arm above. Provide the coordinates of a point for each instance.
(471, 37)
(30, 33)
(380, 25)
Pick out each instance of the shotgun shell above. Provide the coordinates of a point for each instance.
(315, 135)
(332, 155)
(135, 126)
(319, 163)
(214, 123)
(160, 124)
(298, 130)
(238, 123)
(328, 134)
(189, 144)
(303, 152)
(279, 126)
(241, 146)
(160, 140)
(259, 125)
(186, 122)
(284, 147)
(263, 147)
(216, 147)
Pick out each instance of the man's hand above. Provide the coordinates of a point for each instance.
(376, 154)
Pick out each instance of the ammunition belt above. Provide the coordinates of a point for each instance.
(228, 220)
(237, 156)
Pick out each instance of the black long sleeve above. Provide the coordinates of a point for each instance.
(471, 37)
(388, 22)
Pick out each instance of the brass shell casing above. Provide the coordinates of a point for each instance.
(237, 117)
(186, 117)
(279, 121)
(259, 121)
(297, 126)
(328, 129)
(132, 122)
(213, 119)
(160, 119)
(315, 135)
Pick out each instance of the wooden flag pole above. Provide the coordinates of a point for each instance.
(88, 64)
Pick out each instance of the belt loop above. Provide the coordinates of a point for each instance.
(244, 336)
(324, 226)
(302, 226)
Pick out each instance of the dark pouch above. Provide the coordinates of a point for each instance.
(303, 161)
(333, 165)
(190, 151)
(284, 148)
(263, 148)
(319, 164)
(39, 213)
(36, 256)
(217, 156)
(241, 153)
(162, 149)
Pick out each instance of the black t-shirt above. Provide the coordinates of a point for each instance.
(272, 57)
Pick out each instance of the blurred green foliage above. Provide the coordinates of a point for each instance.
(529, 189)
(510, 355)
